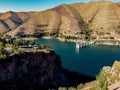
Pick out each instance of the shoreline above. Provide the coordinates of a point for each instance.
(71, 40)
(109, 44)
(29, 38)
(46, 37)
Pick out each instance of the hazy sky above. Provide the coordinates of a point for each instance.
(34, 5)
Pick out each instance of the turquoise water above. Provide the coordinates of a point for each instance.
(87, 61)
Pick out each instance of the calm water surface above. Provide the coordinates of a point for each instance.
(87, 61)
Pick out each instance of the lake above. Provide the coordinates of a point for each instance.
(88, 60)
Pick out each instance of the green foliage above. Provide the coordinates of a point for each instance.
(67, 37)
(1, 48)
(87, 32)
(101, 81)
(41, 46)
(39, 34)
(15, 48)
(24, 42)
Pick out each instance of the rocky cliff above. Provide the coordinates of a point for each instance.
(31, 71)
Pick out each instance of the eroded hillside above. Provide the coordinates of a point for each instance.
(102, 17)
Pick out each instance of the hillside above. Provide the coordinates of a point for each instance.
(102, 17)
(62, 19)
(11, 20)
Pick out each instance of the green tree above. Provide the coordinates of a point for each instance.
(1, 48)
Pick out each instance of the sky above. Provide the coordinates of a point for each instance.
(34, 5)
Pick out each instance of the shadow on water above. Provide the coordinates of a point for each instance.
(74, 78)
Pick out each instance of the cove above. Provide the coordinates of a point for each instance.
(88, 60)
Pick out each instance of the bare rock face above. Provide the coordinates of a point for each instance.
(29, 71)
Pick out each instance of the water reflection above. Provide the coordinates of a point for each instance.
(77, 50)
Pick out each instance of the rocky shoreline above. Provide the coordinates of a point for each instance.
(97, 43)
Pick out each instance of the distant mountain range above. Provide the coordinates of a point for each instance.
(102, 17)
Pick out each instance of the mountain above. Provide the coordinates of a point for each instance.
(11, 20)
(62, 19)
(102, 17)
(100, 14)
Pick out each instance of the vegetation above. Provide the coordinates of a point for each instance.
(23, 42)
(39, 34)
(101, 83)
(67, 37)
(87, 32)
(42, 46)
(1, 48)
(111, 37)
(100, 33)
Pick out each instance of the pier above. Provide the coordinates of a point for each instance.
(85, 44)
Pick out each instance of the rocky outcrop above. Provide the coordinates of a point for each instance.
(30, 71)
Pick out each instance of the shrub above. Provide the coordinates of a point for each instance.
(42, 46)
(1, 48)
(111, 37)
(101, 78)
(100, 33)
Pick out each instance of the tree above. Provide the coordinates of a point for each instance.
(1, 48)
